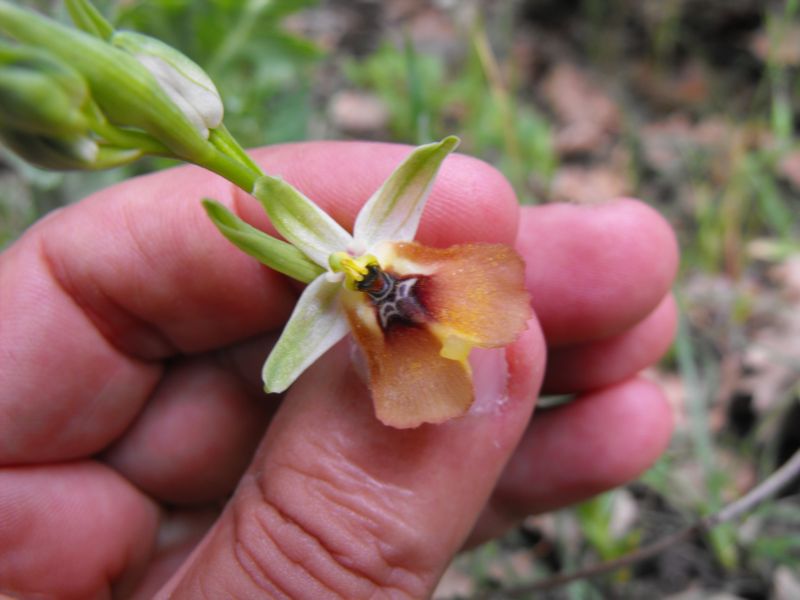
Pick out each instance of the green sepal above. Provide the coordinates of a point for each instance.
(301, 221)
(394, 211)
(270, 251)
(87, 18)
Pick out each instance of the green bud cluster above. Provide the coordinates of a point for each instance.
(98, 97)
(43, 117)
(94, 97)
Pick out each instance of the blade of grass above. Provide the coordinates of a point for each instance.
(503, 98)
(420, 116)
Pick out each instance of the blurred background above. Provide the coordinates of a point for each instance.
(691, 105)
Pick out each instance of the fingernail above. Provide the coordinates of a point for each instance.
(490, 378)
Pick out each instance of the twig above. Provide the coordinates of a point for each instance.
(766, 489)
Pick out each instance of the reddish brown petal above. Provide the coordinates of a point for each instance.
(477, 291)
(410, 382)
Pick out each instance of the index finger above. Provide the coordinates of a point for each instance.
(95, 296)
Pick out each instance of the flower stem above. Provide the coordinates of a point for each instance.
(231, 169)
(222, 139)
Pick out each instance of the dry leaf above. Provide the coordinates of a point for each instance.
(454, 584)
(588, 185)
(787, 584)
(685, 88)
(588, 116)
(782, 49)
(357, 112)
(789, 168)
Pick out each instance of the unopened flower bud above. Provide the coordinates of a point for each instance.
(51, 152)
(39, 94)
(66, 153)
(186, 84)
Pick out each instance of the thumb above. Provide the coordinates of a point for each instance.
(337, 505)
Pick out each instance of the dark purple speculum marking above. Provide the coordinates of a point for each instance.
(393, 297)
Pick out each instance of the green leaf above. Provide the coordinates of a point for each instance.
(393, 212)
(272, 252)
(301, 221)
(317, 323)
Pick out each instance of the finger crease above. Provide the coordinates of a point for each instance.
(112, 334)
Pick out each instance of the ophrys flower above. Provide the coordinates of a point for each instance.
(415, 311)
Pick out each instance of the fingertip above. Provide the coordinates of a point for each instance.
(655, 229)
(474, 202)
(595, 270)
(636, 423)
(56, 526)
(638, 413)
(601, 363)
(599, 441)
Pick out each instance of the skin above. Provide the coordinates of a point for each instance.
(131, 339)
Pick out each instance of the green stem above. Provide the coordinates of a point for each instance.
(222, 139)
(238, 35)
(502, 97)
(232, 170)
(697, 401)
(420, 118)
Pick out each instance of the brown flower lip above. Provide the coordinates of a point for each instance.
(418, 312)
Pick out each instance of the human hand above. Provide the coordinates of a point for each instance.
(131, 338)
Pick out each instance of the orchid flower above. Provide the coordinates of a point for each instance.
(414, 311)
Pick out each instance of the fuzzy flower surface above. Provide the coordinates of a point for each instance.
(414, 311)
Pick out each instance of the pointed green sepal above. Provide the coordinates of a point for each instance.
(394, 211)
(272, 252)
(301, 221)
(87, 18)
(317, 323)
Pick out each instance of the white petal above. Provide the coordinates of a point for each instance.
(301, 221)
(394, 211)
(317, 323)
